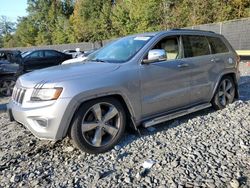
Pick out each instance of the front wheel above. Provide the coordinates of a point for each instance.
(225, 93)
(98, 125)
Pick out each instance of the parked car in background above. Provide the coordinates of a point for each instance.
(68, 51)
(144, 79)
(9, 65)
(39, 59)
(26, 62)
(80, 58)
(73, 53)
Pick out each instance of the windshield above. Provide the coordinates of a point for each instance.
(119, 51)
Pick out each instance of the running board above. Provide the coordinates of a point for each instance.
(175, 115)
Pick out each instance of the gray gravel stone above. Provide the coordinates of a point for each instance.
(234, 183)
(204, 149)
(15, 178)
(117, 147)
(127, 180)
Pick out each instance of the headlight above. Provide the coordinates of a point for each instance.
(44, 94)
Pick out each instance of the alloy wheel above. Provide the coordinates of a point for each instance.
(226, 92)
(7, 87)
(100, 124)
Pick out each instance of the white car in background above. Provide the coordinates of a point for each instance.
(79, 59)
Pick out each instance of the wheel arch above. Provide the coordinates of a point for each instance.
(234, 77)
(76, 104)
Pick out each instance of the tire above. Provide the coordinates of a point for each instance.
(6, 85)
(98, 125)
(225, 93)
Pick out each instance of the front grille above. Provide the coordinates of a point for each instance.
(18, 95)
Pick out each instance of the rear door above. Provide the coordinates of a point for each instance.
(165, 84)
(52, 58)
(204, 65)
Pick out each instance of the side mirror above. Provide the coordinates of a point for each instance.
(155, 55)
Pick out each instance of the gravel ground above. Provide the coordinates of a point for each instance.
(205, 149)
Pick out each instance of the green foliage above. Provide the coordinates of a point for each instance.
(63, 21)
(26, 32)
(6, 29)
(92, 20)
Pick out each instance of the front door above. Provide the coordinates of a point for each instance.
(165, 84)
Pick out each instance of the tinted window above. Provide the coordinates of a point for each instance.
(195, 46)
(37, 54)
(217, 46)
(51, 54)
(170, 45)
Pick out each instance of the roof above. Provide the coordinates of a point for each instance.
(196, 31)
(191, 30)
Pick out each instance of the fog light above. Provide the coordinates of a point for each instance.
(42, 122)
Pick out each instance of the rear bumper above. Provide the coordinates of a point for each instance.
(44, 122)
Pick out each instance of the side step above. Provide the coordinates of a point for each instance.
(175, 115)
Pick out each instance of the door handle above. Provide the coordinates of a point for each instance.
(182, 65)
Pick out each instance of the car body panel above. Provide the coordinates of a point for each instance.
(158, 92)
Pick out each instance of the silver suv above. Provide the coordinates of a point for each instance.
(145, 79)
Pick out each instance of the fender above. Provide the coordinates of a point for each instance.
(78, 100)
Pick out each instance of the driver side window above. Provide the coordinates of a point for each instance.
(171, 46)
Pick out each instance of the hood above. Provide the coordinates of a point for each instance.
(65, 72)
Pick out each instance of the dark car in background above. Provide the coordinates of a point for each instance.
(14, 63)
(39, 59)
(9, 66)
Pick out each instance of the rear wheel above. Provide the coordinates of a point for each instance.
(98, 125)
(6, 86)
(225, 93)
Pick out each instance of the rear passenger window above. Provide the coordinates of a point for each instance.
(37, 54)
(51, 54)
(195, 46)
(217, 46)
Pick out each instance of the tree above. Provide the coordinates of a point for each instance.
(63, 21)
(6, 29)
(91, 20)
(50, 18)
(26, 32)
(137, 16)
(6, 26)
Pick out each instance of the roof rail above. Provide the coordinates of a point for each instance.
(190, 30)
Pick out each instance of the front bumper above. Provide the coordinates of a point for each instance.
(45, 122)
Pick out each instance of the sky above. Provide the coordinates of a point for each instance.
(13, 9)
